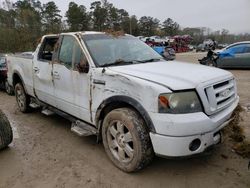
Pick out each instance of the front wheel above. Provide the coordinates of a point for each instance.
(126, 140)
(22, 98)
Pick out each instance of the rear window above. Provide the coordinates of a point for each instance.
(47, 48)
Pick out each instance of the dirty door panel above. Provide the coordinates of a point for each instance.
(42, 68)
(71, 86)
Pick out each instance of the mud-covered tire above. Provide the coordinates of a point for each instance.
(23, 100)
(126, 140)
(6, 135)
(8, 88)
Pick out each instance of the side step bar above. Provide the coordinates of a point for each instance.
(78, 127)
(47, 112)
(83, 129)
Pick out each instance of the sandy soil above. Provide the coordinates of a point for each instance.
(45, 153)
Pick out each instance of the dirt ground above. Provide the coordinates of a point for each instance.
(45, 153)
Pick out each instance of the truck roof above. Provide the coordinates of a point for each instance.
(84, 32)
(79, 32)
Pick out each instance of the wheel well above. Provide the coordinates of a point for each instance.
(16, 79)
(125, 102)
(112, 106)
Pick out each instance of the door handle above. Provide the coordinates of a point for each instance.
(36, 69)
(56, 75)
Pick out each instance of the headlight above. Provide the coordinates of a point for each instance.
(179, 103)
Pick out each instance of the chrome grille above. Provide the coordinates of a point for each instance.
(220, 95)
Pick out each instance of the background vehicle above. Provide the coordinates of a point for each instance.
(142, 38)
(222, 46)
(180, 43)
(121, 90)
(191, 47)
(236, 55)
(3, 69)
(3, 74)
(157, 39)
(201, 48)
(210, 42)
(168, 53)
(6, 135)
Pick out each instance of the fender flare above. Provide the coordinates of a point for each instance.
(19, 75)
(130, 102)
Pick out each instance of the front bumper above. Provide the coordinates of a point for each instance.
(175, 133)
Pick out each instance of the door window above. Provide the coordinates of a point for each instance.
(79, 57)
(47, 48)
(237, 49)
(247, 49)
(71, 54)
(66, 51)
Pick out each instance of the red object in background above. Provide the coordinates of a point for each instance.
(181, 43)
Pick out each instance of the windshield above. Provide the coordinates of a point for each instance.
(108, 50)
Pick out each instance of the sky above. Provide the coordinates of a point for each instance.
(233, 15)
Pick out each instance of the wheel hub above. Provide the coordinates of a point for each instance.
(120, 140)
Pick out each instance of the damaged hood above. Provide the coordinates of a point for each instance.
(174, 75)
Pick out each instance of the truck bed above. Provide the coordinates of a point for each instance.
(23, 64)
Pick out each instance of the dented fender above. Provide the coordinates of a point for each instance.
(131, 102)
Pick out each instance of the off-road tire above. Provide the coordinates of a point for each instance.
(23, 100)
(141, 144)
(6, 135)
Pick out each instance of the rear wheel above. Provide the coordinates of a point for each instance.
(23, 100)
(8, 88)
(6, 135)
(126, 140)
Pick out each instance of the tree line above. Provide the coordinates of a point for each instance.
(22, 23)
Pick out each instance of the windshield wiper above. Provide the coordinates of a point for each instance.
(117, 62)
(123, 62)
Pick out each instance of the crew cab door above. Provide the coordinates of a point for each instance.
(71, 86)
(42, 70)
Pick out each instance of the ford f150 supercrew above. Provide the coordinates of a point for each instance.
(118, 88)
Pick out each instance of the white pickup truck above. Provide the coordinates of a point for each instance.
(120, 89)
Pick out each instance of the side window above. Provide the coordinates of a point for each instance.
(238, 49)
(47, 48)
(247, 49)
(66, 51)
(71, 54)
(79, 56)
